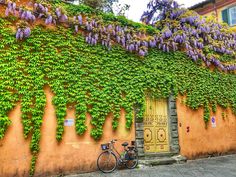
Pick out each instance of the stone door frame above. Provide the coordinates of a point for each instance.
(173, 130)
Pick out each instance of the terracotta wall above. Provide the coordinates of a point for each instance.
(73, 154)
(196, 140)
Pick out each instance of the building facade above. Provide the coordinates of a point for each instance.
(167, 132)
(223, 10)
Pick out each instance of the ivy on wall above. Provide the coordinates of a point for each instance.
(96, 81)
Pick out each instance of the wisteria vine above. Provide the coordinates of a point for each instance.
(99, 82)
(186, 30)
(180, 29)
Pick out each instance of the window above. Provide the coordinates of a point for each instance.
(232, 16)
(229, 16)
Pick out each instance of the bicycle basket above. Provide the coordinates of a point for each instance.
(105, 146)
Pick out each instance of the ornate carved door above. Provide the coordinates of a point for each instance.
(156, 128)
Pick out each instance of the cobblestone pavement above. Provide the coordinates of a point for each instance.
(223, 166)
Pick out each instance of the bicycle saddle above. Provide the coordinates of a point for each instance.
(125, 144)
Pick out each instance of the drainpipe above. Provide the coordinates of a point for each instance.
(215, 9)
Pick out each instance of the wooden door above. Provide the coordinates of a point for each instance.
(156, 126)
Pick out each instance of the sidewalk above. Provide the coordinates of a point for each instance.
(223, 166)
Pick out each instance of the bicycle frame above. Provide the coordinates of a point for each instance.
(113, 149)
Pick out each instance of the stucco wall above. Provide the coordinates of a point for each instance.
(73, 154)
(196, 140)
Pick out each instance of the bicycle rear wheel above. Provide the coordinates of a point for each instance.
(107, 162)
(131, 158)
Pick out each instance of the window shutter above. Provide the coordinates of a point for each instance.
(225, 16)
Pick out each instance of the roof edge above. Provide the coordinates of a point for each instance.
(201, 4)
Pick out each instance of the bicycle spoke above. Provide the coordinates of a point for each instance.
(107, 162)
(132, 160)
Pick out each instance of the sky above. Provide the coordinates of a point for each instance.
(137, 7)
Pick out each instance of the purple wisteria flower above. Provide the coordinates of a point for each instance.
(23, 30)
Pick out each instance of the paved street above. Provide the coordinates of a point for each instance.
(224, 166)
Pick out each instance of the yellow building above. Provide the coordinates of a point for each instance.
(223, 10)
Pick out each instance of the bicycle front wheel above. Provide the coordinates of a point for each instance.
(107, 162)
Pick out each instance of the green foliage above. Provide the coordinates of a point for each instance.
(95, 4)
(227, 58)
(32, 165)
(224, 115)
(96, 82)
(75, 10)
(107, 17)
(4, 123)
(214, 106)
(106, 5)
(206, 112)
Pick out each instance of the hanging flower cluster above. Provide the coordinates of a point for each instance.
(50, 20)
(23, 30)
(77, 21)
(26, 15)
(40, 10)
(61, 15)
(108, 34)
(43, 12)
(184, 29)
(11, 8)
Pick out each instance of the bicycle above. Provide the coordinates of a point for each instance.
(110, 158)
